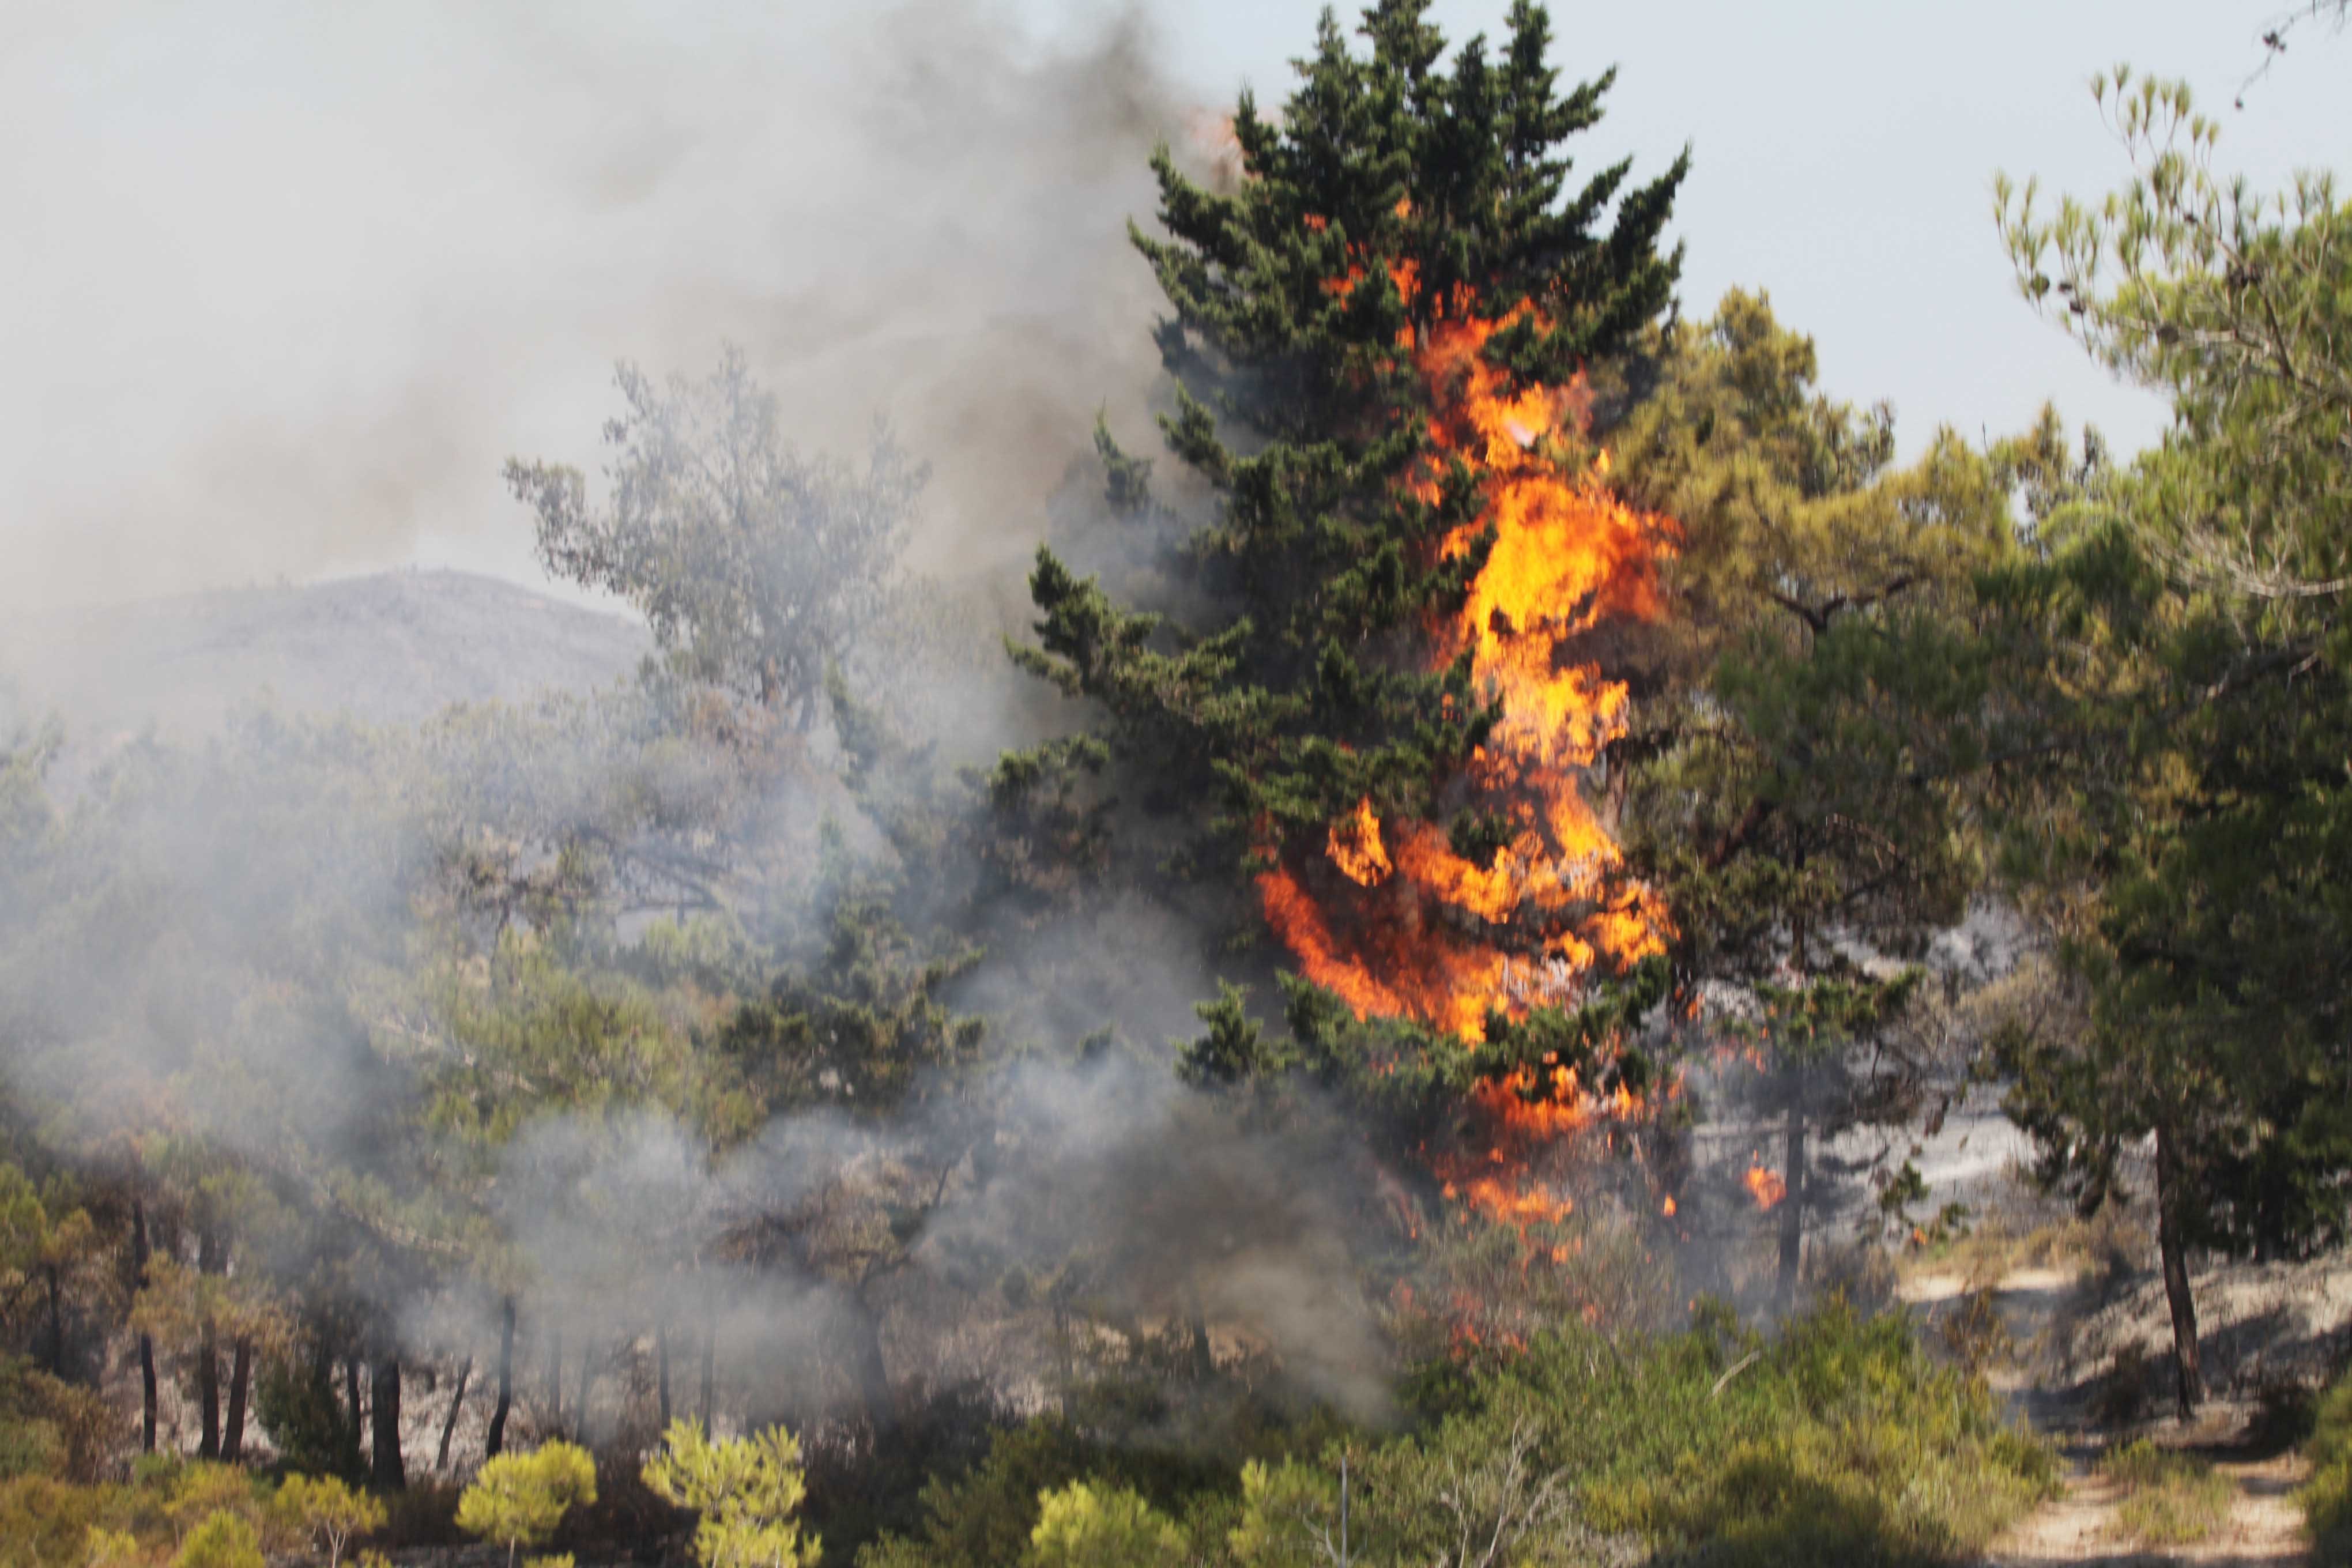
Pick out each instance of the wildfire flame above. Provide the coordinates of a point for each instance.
(1411, 928)
(1765, 1186)
(1446, 939)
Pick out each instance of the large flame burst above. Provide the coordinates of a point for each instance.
(1437, 937)
(1410, 927)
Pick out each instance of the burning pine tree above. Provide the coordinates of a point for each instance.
(1378, 337)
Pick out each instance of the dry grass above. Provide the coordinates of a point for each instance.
(2169, 1498)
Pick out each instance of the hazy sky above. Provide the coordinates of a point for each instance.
(282, 282)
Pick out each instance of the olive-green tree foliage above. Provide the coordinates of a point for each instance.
(746, 1490)
(2179, 647)
(518, 1499)
(1791, 789)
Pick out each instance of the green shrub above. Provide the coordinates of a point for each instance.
(223, 1541)
(747, 1492)
(518, 1499)
(2170, 1500)
(46, 1523)
(326, 1512)
(1084, 1526)
(2328, 1495)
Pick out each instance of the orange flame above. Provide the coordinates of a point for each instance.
(1411, 927)
(1461, 937)
(1356, 848)
(1765, 1186)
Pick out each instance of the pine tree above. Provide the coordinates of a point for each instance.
(1393, 199)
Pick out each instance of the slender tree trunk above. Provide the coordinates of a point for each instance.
(208, 1356)
(1792, 1201)
(449, 1422)
(356, 1411)
(661, 1368)
(57, 1284)
(587, 1377)
(2172, 1243)
(555, 1381)
(497, 1440)
(871, 1373)
(709, 1352)
(391, 1472)
(146, 1341)
(240, 1376)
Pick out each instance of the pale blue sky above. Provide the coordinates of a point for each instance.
(1843, 152)
(281, 283)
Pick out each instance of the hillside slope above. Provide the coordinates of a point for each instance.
(391, 648)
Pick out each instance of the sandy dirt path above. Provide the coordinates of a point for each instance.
(2264, 1527)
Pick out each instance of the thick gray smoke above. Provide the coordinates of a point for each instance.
(295, 279)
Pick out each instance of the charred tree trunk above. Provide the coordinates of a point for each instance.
(555, 1381)
(1792, 1201)
(2171, 1234)
(391, 1472)
(57, 1282)
(587, 1378)
(208, 1356)
(661, 1369)
(146, 1341)
(497, 1440)
(868, 1370)
(709, 1353)
(240, 1377)
(356, 1412)
(449, 1422)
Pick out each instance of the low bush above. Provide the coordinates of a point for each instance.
(1841, 1439)
(2328, 1495)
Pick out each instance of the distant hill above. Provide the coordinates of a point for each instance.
(396, 647)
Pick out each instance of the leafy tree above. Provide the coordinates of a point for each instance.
(747, 1492)
(328, 1511)
(2179, 652)
(1083, 1525)
(756, 567)
(1790, 793)
(518, 1499)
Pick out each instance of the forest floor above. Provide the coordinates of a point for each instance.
(2051, 1356)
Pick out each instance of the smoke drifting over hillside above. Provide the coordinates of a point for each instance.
(293, 281)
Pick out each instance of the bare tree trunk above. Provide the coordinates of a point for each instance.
(1792, 1201)
(208, 1356)
(57, 1284)
(554, 1381)
(498, 1437)
(2172, 1243)
(709, 1353)
(587, 1378)
(356, 1410)
(240, 1376)
(866, 1367)
(146, 1341)
(449, 1422)
(661, 1368)
(391, 1470)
